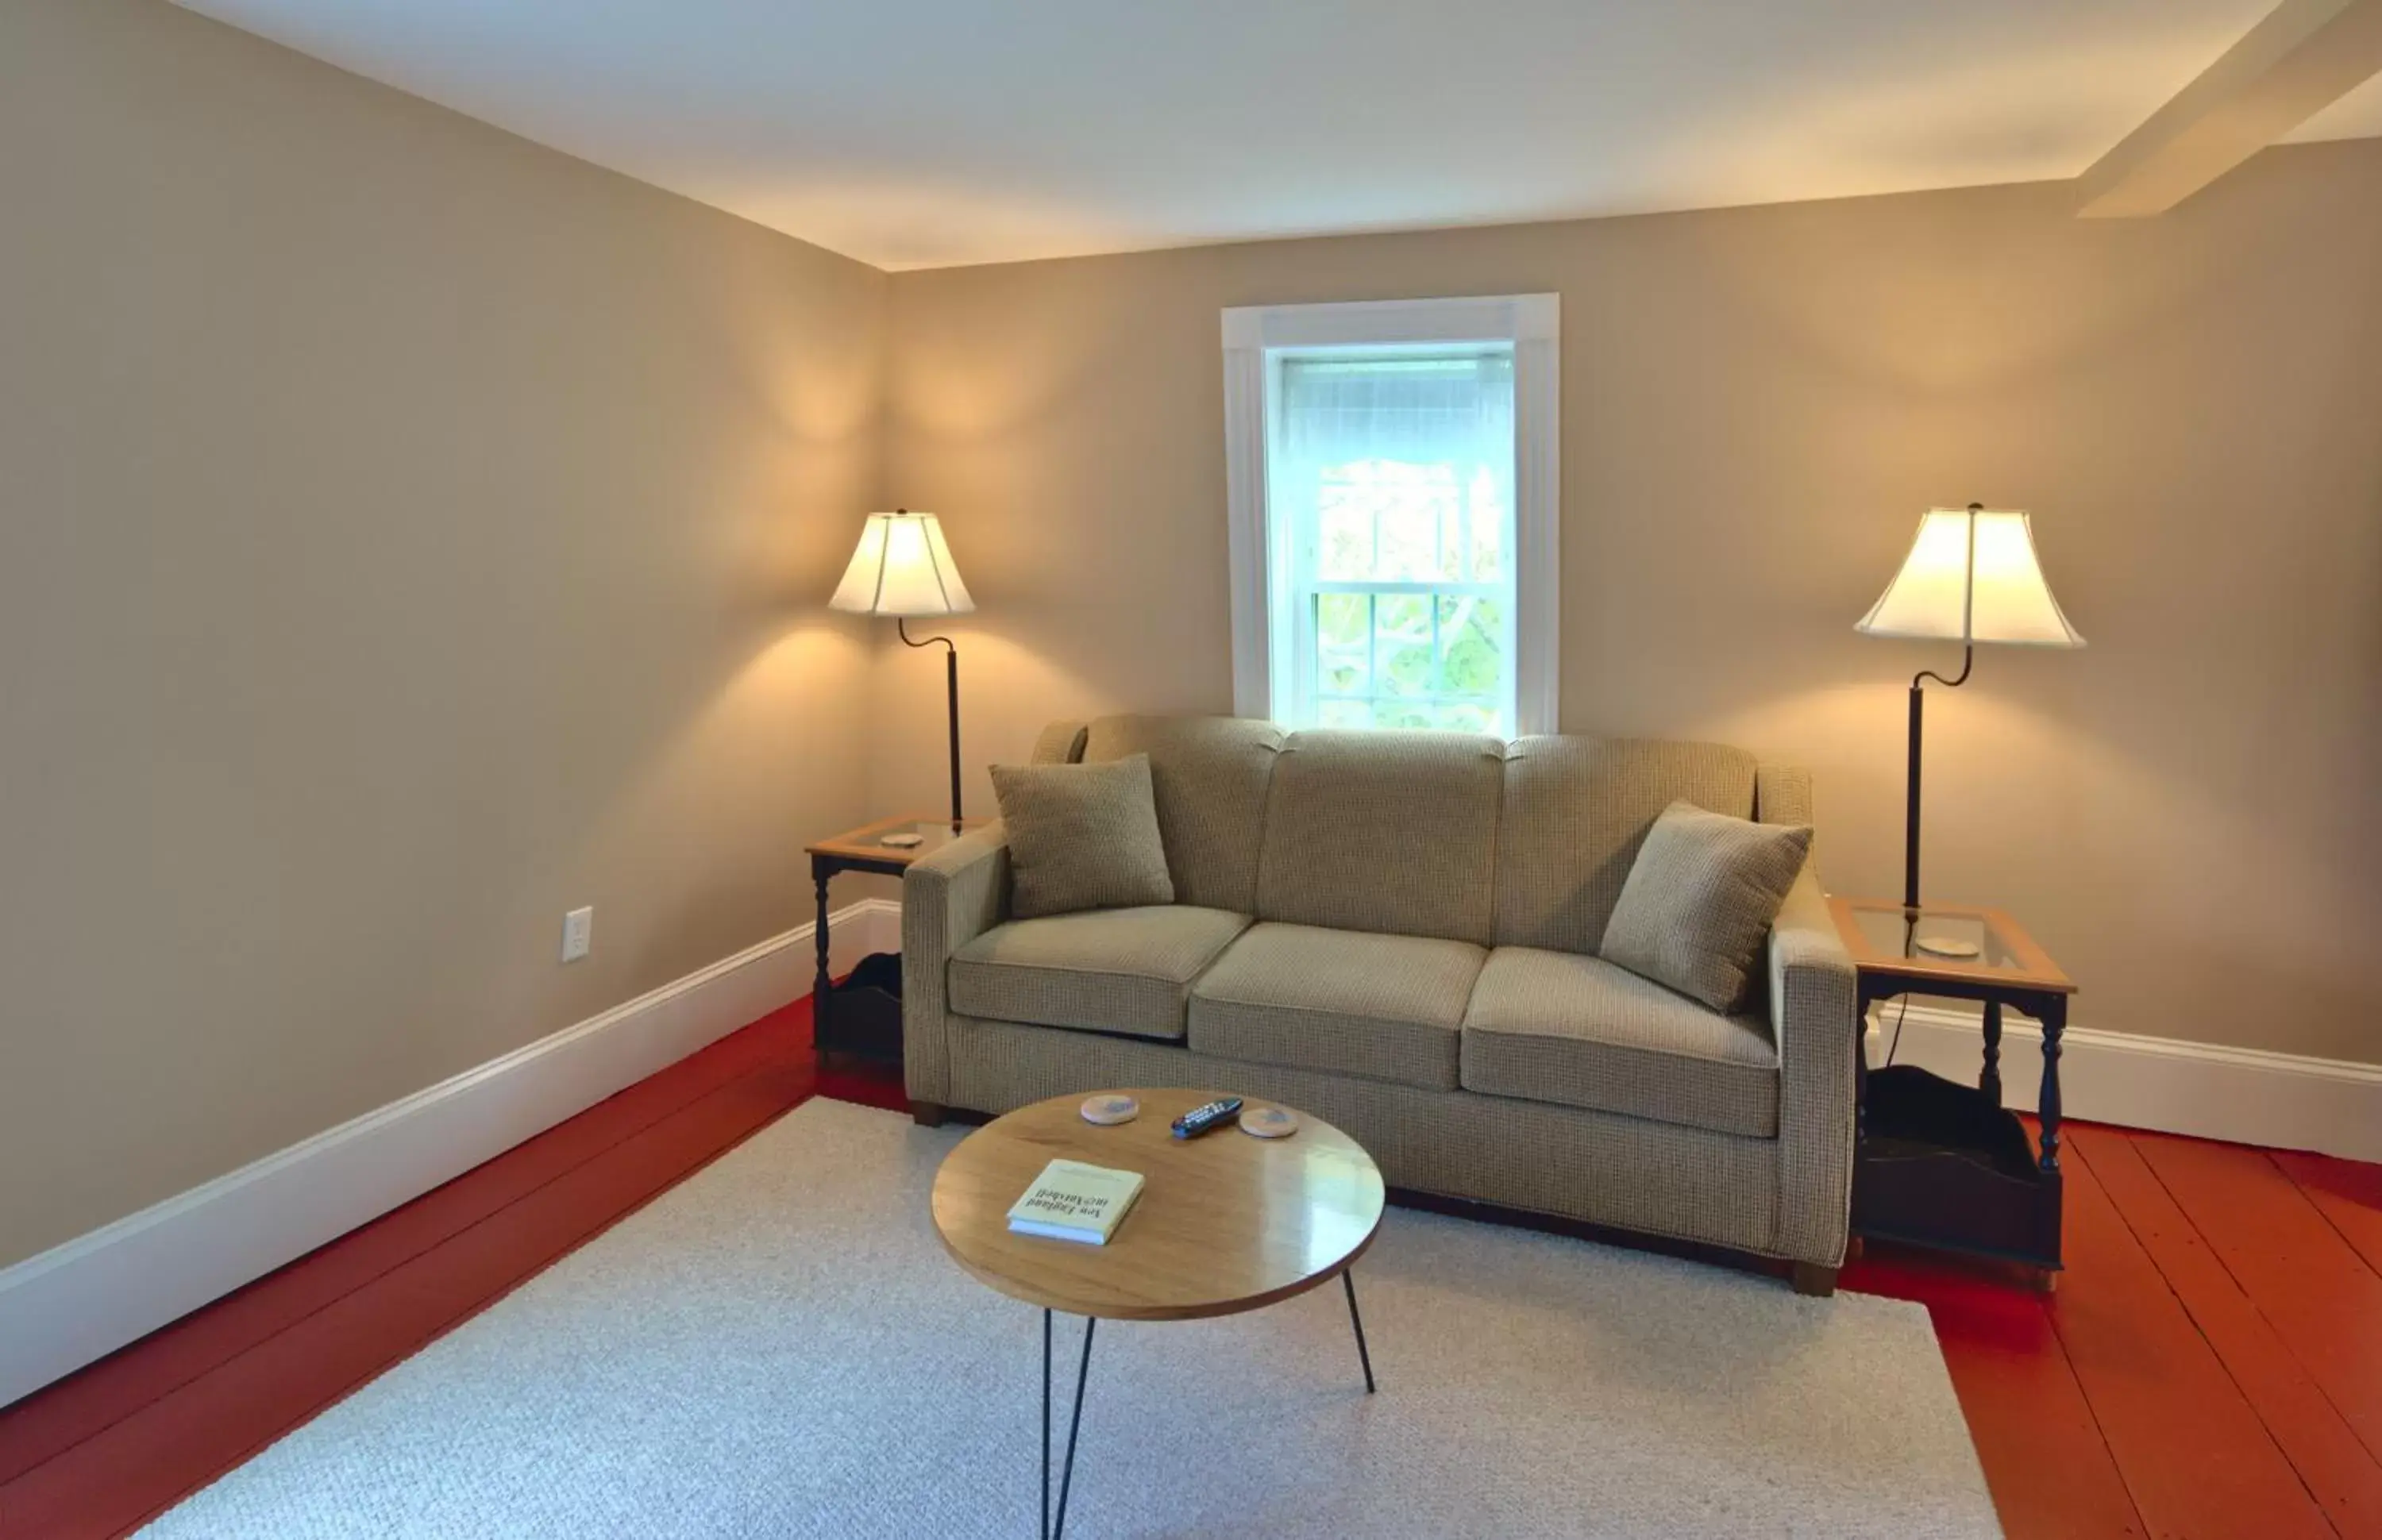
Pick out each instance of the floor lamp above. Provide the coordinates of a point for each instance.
(901, 567)
(1972, 576)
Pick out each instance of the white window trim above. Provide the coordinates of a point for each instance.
(1532, 324)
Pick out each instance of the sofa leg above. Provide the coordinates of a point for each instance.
(928, 1115)
(1816, 1280)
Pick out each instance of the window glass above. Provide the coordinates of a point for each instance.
(1391, 475)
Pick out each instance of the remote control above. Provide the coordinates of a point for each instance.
(1200, 1119)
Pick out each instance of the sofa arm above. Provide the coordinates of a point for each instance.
(1061, 743)
(948, 899)
(1813, 1016)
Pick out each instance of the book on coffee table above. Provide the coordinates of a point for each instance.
(1072, 1200)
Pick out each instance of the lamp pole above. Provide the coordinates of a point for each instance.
(1910, 809)
(952, 684)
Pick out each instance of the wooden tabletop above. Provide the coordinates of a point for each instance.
(868, 842)
(1226, 1222)
(1879, 934)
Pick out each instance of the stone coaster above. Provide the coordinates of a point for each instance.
(1268, 1122)
(1109, 1110)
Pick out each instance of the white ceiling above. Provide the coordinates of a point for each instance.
(922, 133)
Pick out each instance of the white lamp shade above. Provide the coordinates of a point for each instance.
(901, 567)
(1972, 576)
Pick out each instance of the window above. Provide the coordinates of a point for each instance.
(1393, 527)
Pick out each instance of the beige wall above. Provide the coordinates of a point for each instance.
(406, 533)
(1756, 405)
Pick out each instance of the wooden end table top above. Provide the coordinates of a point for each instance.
(1225, 1223)
(1881, 935)
(865, 844)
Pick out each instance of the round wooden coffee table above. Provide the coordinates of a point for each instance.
(1225, 1223)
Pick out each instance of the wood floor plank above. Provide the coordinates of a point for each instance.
(2338, 1470)
(43, 1426)
(143, 1464)
(2193, 1451)
(2050, 1471)
(2346, 1192)
(2325, 1301)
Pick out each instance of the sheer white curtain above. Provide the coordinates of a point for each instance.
(1391, 478)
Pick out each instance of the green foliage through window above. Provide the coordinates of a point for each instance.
(1410, 660)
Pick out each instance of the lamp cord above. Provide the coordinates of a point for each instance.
(1910, 947)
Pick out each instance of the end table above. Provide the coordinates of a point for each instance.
(1941, 1165)
(862, 1016)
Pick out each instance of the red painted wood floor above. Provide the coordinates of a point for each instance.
(2211, 1366)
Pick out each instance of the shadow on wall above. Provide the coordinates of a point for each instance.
(1007, 690)
(723, 791)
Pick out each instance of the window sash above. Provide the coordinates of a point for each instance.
(1388, 585)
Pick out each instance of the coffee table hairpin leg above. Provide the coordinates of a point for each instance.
(1051, 1530)
(1054, 1526)
(1349, 1276)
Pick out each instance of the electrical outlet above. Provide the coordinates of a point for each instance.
(578, 932)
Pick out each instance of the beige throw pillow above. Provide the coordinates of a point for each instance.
(1699, 899)
(1082, 836)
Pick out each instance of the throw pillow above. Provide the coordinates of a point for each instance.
(1082, 836)
(1699, 899)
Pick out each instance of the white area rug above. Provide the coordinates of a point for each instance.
(779, 1346)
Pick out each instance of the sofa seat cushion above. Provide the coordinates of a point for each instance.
(1111, 969)
(1559, 1027)
(1386, 1007)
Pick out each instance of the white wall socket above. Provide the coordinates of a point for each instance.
(578, 932)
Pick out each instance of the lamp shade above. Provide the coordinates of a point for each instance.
(901, 567)
(1972, 576)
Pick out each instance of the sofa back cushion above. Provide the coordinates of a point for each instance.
(1575, 810)
(1209, 776)
(1385, 831)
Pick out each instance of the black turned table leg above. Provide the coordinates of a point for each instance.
(2053, 1014)
(821, 984)
(1349, 1276)
(1989, 1082)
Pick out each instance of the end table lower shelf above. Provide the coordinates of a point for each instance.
(1946, 1166)
(861, 1015)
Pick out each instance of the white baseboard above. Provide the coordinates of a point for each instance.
(2248, 1097)
(82, 1300)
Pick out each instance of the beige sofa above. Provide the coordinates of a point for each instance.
(1398, 932)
